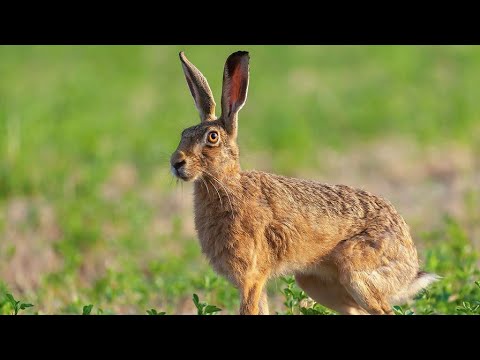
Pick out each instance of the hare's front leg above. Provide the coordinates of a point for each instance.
(252, 293)
(264, 302)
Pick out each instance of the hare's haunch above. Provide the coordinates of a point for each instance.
(348, 249)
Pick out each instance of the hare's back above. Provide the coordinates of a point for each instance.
(339, 202)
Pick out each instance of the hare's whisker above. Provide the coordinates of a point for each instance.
(219, 197)
(206, 186)
(224, 188)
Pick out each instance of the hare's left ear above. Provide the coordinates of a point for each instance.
(198, 85)
(235, 88)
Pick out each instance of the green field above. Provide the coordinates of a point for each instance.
(90, 214)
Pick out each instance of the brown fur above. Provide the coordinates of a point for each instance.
(348, 249)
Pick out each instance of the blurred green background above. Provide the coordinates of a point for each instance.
(91, 214)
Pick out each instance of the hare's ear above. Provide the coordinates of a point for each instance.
(235, 87)
(200, 89)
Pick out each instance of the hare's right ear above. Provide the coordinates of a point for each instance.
(235, 88)
(200, 89)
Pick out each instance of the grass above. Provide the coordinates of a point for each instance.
(458, 292)
(89, 213)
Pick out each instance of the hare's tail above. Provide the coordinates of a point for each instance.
(422, 280)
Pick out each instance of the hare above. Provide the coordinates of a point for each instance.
(348, 249)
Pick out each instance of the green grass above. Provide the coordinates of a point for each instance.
(86, 133)
(451, 255)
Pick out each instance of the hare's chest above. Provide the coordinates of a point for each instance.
(217, 244)
(214, 229)
(223, 241)
(213, 235)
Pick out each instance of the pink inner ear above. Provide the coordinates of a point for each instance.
(235, 85)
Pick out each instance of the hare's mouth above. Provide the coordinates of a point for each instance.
(180, 173)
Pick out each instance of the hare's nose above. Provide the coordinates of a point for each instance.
(178, 160)
(179, 164)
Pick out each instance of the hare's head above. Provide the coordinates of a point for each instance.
(211, 147)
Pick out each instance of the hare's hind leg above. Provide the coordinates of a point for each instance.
(328, 293)
(371, 271)
(369, 299)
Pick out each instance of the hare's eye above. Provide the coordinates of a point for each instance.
(213, 137)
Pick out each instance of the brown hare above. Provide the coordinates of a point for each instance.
(348, 249)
